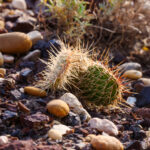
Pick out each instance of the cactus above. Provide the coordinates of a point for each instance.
(92, 81)
(61, 68)
(99, 86)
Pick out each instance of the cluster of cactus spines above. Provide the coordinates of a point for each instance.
(93, 80)
(62, 68)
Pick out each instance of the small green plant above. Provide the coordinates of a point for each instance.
(91, 80)
(71, 16)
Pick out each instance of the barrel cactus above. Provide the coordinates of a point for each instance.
(99, 85)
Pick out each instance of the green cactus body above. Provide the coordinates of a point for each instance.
(98, 86)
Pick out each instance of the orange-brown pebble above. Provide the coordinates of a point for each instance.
(35, 91)
(102, 142)
(58, 108)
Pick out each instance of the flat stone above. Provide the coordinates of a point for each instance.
(32, 56)
(104, 125)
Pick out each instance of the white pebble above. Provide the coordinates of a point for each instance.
(104, 125)
(54, 134)
(131, 100)
(3, 140)
(19, 4)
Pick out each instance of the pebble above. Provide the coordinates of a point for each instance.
(2, 72)
(58, 108)
(32, 56)
(104, 125)
(62, 129)
(35, 36)
(2, 24)
(101, 142)
(131, 100)
(72, 119)
(143, 98)
(25, 74)
(89, 137)
(130, 66)
(54, 134)
(1, 59)
(75, 105)
(35, 91)
(145, 81)
(24, 24)
(133, 74)
(3, 140)
(18, 43)
(19, 4)
(8, 59)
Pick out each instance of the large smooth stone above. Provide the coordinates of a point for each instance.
(15, 43)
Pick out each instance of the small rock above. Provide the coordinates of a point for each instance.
(3, 140)
(145, 81)
(1, 59)
(23, 108)
(35, 36)
(58, 108)
(2, 72)
(19, 4)
(16, 94)
(32, 56)
(104, 125)
(2, 24)
(35, 91)
(25, 74)
(133, 74)
(89, 137)
(36, 121)
(131, 100)
(24, 24)
(8, 59)
(72, 119)
(9, 115)
(54, 134)
(101, 142)
(130, 66)
(75, 105)
(144, 112)
(62, 129)
(143, 98)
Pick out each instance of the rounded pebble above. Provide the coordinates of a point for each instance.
(2, 72)
(35, 91)
(8, 59)
(19, 4)
(102, 142)
(1, 59)
(133, 74)
(54, 134)
(58, 108)
(18, 43)
(3, 140)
